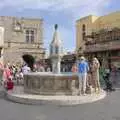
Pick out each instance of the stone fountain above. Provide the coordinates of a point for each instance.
(51, 83)
(52, 87)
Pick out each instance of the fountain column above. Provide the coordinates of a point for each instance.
(56, 51)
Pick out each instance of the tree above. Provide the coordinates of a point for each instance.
(29, 59)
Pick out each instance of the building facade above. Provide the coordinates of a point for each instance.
(100, 37)
(105, 45)
(22, 36)
(1, 44)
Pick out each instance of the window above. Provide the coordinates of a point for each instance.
(27, 36)
(30, 36)
(84, 34)
(83, 27)
(83, 31)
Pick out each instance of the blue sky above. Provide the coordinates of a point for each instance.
(62, 12)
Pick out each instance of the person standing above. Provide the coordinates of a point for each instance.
(48, 69)
(74, 68)
(95, 74)
(41, 68)
(25, 69)
(9, 84)
(7, 73)
(1, 72)
(83, 69)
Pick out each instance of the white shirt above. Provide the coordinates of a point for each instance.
(25, 69)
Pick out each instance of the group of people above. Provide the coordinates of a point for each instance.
(11, 74)
(88, 74)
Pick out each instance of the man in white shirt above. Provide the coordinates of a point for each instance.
(25, 69)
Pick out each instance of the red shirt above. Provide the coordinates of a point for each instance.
(10, 85)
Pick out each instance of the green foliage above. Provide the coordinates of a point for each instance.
(29, 59)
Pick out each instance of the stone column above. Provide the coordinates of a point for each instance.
(58, 66)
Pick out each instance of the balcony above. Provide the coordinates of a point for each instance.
(103, 46)
(103, 40)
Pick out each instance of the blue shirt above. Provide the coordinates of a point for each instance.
(83, 67)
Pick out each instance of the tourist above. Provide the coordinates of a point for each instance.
(35, 67)
(114, 73)
(9, 84)
(108, 83)
(48, 69)
(74, 68)
(1, 72)
(25, 69)
(83, 69)
(7, 73)
(89, 79)
(95, 74)
(21, 77)
(73, 83)
(41, 68)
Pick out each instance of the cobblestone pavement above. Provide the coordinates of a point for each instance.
(106, 109)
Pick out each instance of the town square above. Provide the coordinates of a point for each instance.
(60, 60)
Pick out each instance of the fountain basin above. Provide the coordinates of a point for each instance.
(18, 96)
(48, 83)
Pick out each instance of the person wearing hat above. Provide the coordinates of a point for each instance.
(83, 69)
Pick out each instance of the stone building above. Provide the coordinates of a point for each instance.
(22, 36)
(100, 37)
(1, 44)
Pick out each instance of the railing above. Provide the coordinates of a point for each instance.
(102, 46)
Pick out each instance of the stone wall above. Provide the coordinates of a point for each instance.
(50, 84)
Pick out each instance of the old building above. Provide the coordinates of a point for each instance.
(1, 44)
(105, 45)
(100, 37)
(22, 36)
